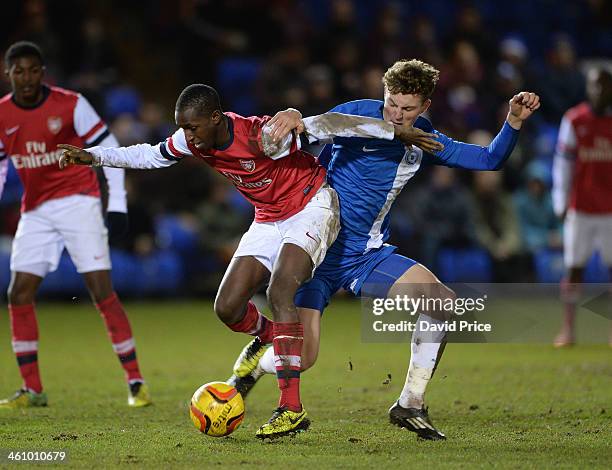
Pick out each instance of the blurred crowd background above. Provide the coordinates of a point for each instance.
(131, 59)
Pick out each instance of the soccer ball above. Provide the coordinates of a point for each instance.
(216, 409)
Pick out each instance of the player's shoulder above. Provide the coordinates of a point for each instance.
(578, 112)
(6, 103)
(424, 124)
(244, 124)
(59, 93)
(366, 107)
(6, 99)
(61, 98)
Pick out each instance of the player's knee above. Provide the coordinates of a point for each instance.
(99, 284)
(449, 293)
(229, 309)
(442, 294)
(99, 294)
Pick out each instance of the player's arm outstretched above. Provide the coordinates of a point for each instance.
(139, 156)
(474, 157)
(324, 127)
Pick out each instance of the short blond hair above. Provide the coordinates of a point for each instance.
(411, 77)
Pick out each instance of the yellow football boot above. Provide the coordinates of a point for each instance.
(246, 369)
(284, 422)
(139, 395)
(24, 399)
(249, 358)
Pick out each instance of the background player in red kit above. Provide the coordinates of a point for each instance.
(59, 209)
(582, 189)
(296, 220)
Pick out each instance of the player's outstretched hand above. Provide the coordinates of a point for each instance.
(522, 105)
(284, 122)
(74, 156)
(414, 136)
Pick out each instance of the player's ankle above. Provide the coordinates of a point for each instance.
(293, 407)
(412, 401)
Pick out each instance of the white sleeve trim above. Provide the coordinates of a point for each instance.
(87, 123)
(109, 141)
(176, 144)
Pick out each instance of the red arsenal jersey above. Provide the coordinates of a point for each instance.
(586, 139)
(29, 136)
(278, 188)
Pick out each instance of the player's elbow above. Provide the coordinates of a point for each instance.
(496, 162)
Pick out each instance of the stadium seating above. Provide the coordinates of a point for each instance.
(465, 265)
(236, 78)
(159, 274)
(175, 235)
(549, 267)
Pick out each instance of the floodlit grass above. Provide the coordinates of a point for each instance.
(506, 406)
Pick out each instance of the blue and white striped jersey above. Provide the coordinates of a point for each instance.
(368, 174)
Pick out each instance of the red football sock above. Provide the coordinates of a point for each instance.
(120, 333)
(255, 324)
(24, 330)
(287, 343)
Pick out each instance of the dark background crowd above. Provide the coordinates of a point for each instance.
(131, 59)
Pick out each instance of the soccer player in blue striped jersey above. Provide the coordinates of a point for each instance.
(368, 174)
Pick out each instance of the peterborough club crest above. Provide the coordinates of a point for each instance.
(248, 165)
(54, 123)
(411, 157)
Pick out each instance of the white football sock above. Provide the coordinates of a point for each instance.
(424, 352)
(266, 363)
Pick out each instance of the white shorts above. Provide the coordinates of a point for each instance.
(583, 234)
(74, 222)
(313, 229)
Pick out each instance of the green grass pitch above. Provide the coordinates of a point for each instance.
(504, 406)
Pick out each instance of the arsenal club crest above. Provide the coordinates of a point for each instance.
(248, 165)
(54, 123)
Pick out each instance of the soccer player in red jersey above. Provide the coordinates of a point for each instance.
(582, 189)
(59, 209)
(296, 220)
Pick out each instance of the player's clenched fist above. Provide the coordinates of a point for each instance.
(74, 156)
(522, 105)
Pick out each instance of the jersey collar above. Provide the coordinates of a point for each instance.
(230, 128)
